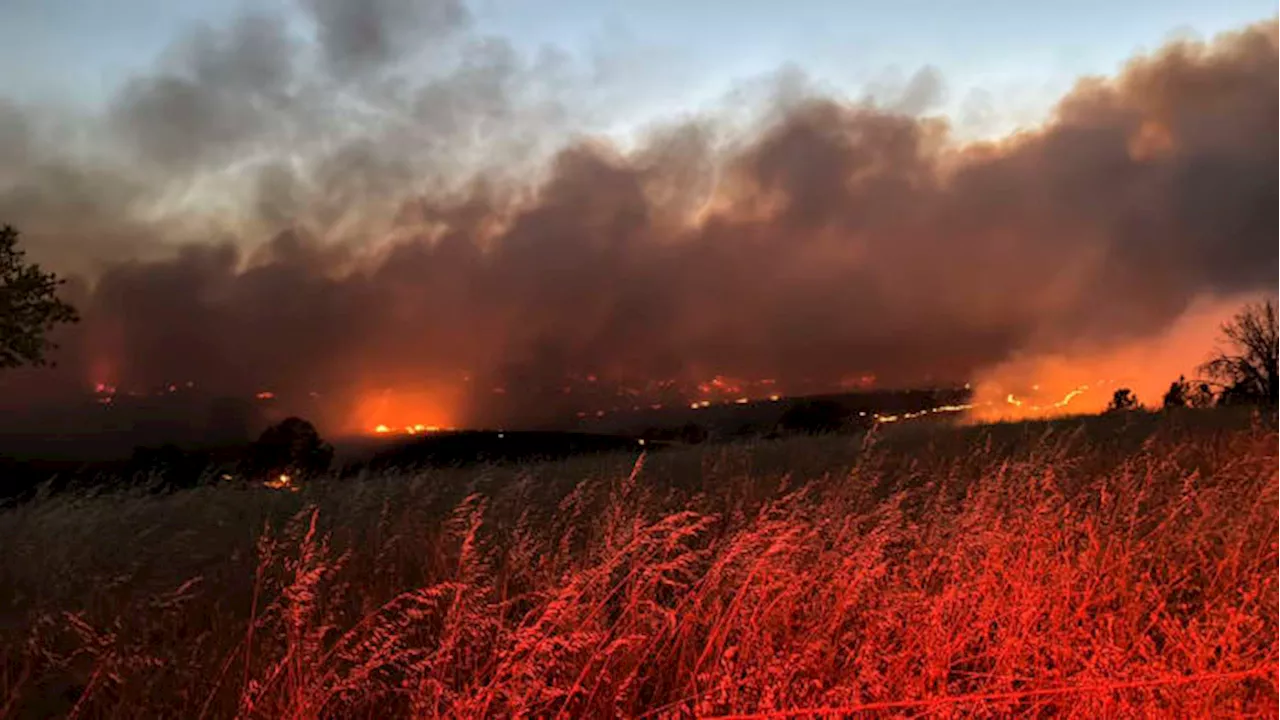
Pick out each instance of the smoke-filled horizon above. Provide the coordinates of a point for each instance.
(264, 213)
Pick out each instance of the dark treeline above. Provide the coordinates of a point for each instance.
(294, 450)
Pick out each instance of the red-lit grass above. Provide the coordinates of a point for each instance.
(1019, 571)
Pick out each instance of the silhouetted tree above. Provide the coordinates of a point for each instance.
(1123, 400)
(29, 306)
(291, 447)
(814, 416)
(1201, 396)
(1248, 371)
(1239, 395)
(1177, 394)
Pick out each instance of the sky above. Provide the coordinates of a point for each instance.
(467, 204)
(1003, 63)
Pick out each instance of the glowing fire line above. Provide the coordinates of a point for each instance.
(415, 429)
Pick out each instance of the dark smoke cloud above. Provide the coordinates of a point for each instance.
(410, 235)
(357, 37)
(223, 94)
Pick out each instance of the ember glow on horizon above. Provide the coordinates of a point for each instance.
(439, 214)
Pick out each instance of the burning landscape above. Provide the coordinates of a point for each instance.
(353, 363)
(255, 222)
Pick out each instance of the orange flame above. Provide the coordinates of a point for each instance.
(281, 482)
(1082, 379)
(401, 411)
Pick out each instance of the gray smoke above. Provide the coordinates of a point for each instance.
(398, 231)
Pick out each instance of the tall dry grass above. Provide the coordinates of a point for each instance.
(1033, 570)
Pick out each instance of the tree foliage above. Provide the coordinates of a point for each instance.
(291, 447)
(1248, 370)
(1201, 396)
(1178, 395)
(1123, 400)
(29, 306)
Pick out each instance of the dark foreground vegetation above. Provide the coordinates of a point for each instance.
(1124, 565)
(294, 448)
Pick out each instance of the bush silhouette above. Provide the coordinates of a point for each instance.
(1201, 396)
(292, 447)
(1178, 394)
(1123, 400)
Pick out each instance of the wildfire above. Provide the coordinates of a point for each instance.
(721, 384)
(1010, 401)
(402, 412)
(1057, 405)
(1071, 396)
(864, 381)
(283, 481)
(105, 393)
(1013, 406)
(921, 413)
(415, 429)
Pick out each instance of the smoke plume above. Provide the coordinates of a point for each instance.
(305, 217)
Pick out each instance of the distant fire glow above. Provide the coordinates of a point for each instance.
(1026, 388)
(399, 403)
(416, 429)
(409, 412)
(282, 481)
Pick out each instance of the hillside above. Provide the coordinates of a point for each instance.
(1119, 566)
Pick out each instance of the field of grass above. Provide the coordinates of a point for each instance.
(1111, 567)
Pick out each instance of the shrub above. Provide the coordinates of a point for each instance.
(1007, 571)
(1123, 400)
(292, 447)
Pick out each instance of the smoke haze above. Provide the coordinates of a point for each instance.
(308, 217)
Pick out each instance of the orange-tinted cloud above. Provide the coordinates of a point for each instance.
(835, 240)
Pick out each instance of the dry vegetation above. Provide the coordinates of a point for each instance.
(1126, 566)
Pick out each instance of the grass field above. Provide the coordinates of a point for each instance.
(1120, 566)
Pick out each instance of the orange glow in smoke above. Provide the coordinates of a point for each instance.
(1152, 141)
(1082, 380)
(402, 411)
(281, 482)
(865, 381)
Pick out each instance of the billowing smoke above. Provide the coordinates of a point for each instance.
(323, 219)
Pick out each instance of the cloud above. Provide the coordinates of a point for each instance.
(360, 36)
(462, 233)
(221, 93)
